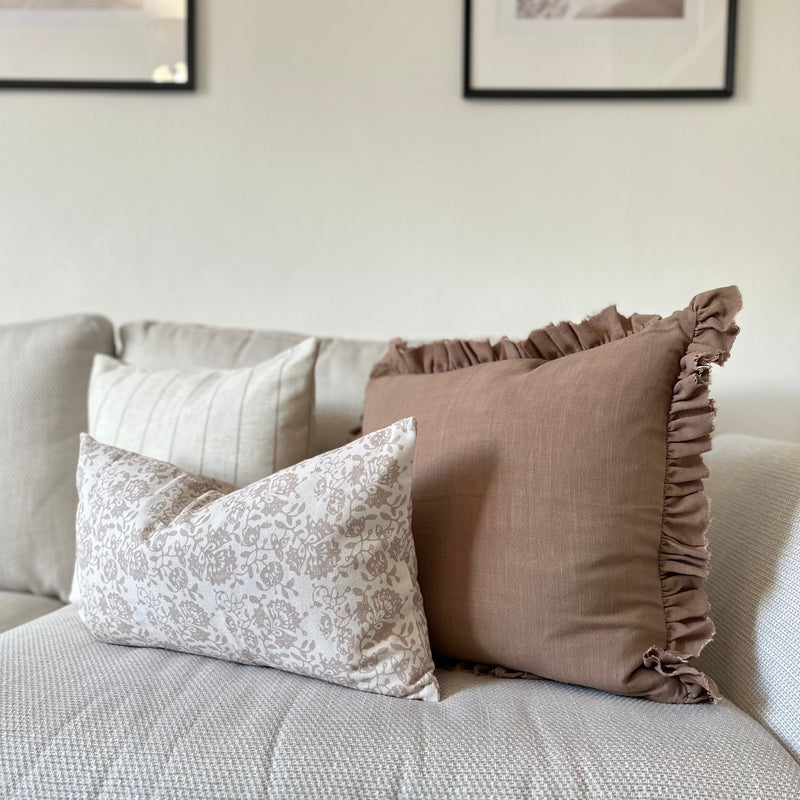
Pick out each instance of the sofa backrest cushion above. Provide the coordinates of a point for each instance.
(43, 400)
(341, 374)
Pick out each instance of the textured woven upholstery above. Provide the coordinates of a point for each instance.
(754, 585)
(343, 365)
(117, 722)
(17, 608)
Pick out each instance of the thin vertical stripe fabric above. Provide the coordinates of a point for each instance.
(235, 425)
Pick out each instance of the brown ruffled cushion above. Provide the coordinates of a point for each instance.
(559, 513)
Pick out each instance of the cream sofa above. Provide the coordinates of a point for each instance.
(80, 718)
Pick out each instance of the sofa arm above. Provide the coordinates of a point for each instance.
(754, 585)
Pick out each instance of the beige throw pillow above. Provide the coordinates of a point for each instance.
(237, 425)
(311, 570)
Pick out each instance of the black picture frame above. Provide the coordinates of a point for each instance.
(125, 85)
(469, 91)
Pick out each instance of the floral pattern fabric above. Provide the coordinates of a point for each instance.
(311, 570)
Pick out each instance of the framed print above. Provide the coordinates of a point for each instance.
(97, 44)
(599, 48)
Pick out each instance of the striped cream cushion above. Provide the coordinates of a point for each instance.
(236, 425)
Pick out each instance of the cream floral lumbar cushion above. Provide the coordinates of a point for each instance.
(310, 570)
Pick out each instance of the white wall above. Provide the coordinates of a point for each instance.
(328, 177)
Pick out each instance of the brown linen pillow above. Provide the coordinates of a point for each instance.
(559, 513)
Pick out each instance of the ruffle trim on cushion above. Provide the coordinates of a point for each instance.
(544, 344)
(698, 687)
(683, 552)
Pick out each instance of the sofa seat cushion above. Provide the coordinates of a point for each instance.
(107, 721)
(17, 608)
